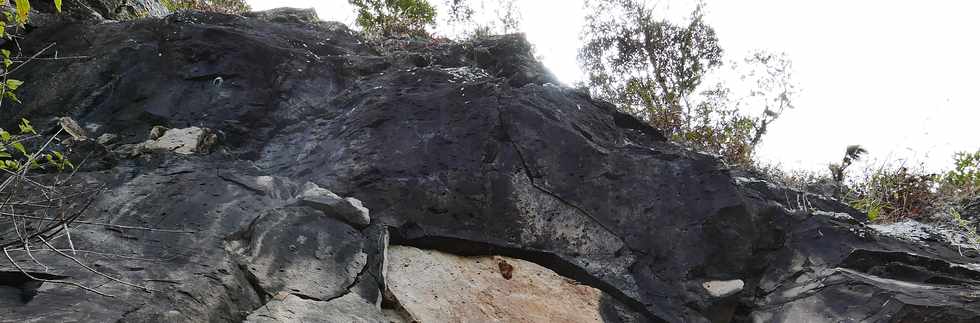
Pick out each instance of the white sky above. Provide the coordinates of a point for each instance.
(897, 77)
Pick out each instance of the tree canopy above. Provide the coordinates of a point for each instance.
(656, 70)
(394, 17)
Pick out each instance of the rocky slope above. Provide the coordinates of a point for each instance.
(463, 153)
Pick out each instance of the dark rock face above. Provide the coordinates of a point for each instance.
(468, 148)
(299, 251)
(102, 9)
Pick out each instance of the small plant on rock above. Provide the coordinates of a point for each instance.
(892, 193)
(963, 181)
(220, 6)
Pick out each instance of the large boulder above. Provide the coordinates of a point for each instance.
(470, 148)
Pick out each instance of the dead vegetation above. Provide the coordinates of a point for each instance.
(41, 202)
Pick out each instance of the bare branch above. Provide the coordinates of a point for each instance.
(144, 288)
(50, 280)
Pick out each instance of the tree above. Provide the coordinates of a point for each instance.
(772, 89)
(386, 18)
(650, 67)
(471, 18)
(655, 70)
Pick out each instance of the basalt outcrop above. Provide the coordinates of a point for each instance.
(468, 150)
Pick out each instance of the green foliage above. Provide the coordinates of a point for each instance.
(385, 18)
(220, 6)
(964, 178)
(892, 193)
(654, 69)
(14, 153)
(23, 8)
(647, 65)
(9, 86)
(466, 22)
(969, 230)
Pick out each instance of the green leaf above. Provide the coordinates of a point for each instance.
(11, 96)
(4, 136)
(23, 7)
(19, 147)
(57, 5)
(13, 84)
(874, 213)
(26, 127)
(4, 154)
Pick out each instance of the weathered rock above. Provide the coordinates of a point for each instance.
(156, 132)
(277, 188)
(70, 126)
(102, 9)
(300, 252)
(184, 141)
(723, 288)
(438, 287)
(971, 211)
(347, 309)
(467, 148)
(348, 209)
(287, 15)
(106, 139)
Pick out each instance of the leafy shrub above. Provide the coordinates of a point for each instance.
(14, 154)
(963, 181)
(970, 231)
(384, 18)
(220, 6)
(891, 193)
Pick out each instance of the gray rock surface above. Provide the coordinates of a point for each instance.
(300, 252)
(348, 209)
(98, 10)
(347, 309)
(462, 148)
(186, 141)
(106, 139)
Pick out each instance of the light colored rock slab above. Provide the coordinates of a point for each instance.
(723, 288)
(349, 209)
(433, 286)
(185, 141)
